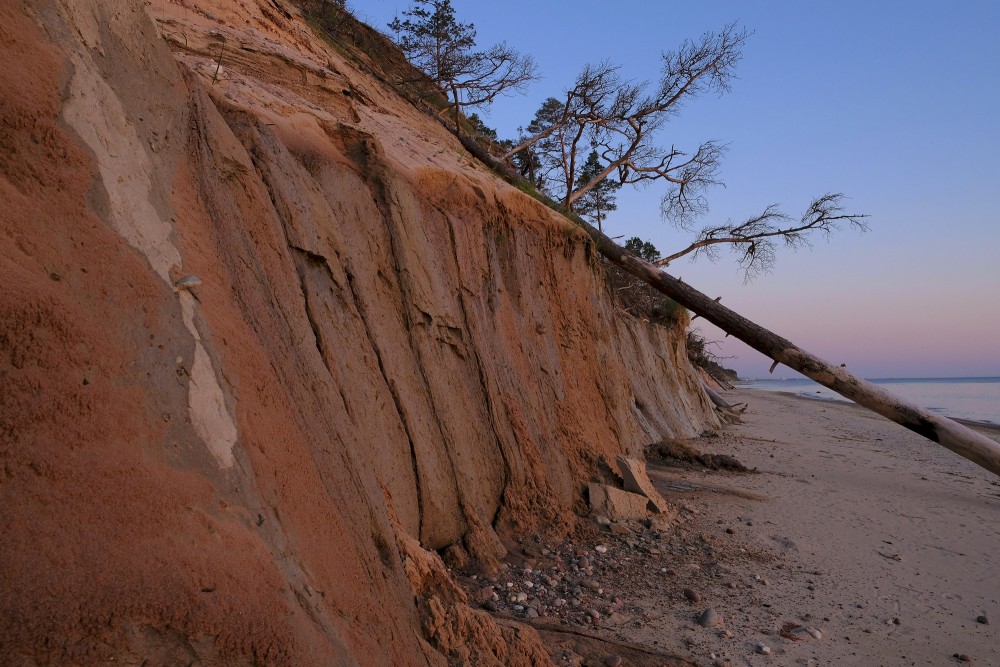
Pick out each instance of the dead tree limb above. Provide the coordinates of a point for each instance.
(716, 397)
(958, 438)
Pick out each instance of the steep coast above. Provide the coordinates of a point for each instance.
(272, 343)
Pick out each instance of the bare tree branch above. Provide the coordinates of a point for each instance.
(491, 73)
(621, 118)
(580, 105)
(755, 237)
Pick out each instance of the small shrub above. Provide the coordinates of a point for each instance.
(640, 300)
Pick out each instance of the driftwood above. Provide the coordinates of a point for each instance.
(723, 382)
(726, 410)
(958, 438)
(729, 416)
(715, 397)
(709, 376)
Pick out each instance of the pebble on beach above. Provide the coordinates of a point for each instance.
(710, 619)
(763, 649)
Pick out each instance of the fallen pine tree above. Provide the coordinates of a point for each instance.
(958, 438)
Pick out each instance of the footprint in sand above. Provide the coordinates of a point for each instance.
(785, 543)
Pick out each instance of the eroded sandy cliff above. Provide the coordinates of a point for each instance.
(391, 353)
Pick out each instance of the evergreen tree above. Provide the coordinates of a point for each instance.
(445, 49)
(529, 166)
(530, 159)
(642, 249)
(596, 203)
(481, 129)
(434, 40)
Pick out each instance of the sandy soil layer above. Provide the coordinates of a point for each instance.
(884, 543)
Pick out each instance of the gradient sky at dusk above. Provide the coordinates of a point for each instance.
(894, 104)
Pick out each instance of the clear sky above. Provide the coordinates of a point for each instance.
(895, 104)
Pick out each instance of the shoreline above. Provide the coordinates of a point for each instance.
(850, 541)
(884, 542)
(990, 429)
(845, 401)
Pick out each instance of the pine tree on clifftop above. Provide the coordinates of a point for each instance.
(445, 49)
(600, 199)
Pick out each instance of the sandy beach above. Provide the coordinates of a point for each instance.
(851, 541)
(884, 542)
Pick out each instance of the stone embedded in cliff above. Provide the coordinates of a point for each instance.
(615, 503)
(637, 481)
(188, 282)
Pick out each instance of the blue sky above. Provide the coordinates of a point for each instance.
(894, 104)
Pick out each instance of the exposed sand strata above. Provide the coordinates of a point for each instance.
(388, 347)
(96, 114)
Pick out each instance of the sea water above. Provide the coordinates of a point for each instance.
(975, 399)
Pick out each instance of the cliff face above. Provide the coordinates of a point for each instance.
(390, 352)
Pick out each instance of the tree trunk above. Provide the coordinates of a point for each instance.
(458, 116)
(715, 397)
(958, 438)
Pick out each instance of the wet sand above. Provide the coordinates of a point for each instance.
(884, 542)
